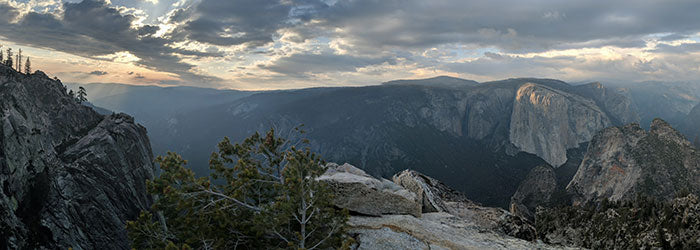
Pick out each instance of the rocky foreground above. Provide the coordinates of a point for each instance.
(415, 211)
(70, 176)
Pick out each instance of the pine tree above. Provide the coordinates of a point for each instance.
(19, 61)
(2, 56)
(8, 61)
(28, 67)
(262, 194)
(82, 95)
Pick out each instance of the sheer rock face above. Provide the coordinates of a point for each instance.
(622, 162)
(536, 189)
(70, 177)
(546, 121)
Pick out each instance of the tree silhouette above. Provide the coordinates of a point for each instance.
(19, 61)
(82, 95)
(28, 67)
(2, 56)
(8, 62)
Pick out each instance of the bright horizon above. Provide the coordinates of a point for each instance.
(292, 44)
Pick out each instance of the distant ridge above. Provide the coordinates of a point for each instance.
(440, 81)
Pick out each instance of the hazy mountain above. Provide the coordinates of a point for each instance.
(691, 126)
(671, 101)
(70, 176)
(440, 81)
(479, 138)
(155, 107)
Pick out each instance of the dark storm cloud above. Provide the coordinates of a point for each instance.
(91, 28)
(235, 22)
(516, 26)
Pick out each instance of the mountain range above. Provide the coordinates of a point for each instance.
(481, 138)
(73, 173)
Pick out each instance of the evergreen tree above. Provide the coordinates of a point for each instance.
(19, 61)
(82, 95)
(2, 56)
(8, 61)
(71, 94)
(28, 67)
(262, 194)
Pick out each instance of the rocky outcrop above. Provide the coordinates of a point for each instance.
(431, 193)
(364, 194)
(438, 197)
(70, 176)
(623, 162)
(546, 121)
(537, 189)
(431, 231)
(419, 212)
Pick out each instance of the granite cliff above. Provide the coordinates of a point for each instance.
(624, 162)
(70, 176)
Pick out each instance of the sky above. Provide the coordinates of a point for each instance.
(287, 44)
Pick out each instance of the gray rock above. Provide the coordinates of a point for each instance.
(361, 193)
(70, 176)
(622, 162)
(547, 121)
(430, 192)
(438, 197)
(431, 231)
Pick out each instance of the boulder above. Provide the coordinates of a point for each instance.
(363, 194)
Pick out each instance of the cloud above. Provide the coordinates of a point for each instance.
(98, 73)
(236, 22)
(301, 63)
(682, 48)
(513, 26)
(7, 13)
(219, 42)
(94, 29)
